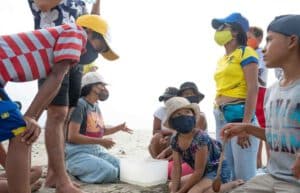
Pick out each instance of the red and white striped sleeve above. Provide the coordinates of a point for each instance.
(70, 45)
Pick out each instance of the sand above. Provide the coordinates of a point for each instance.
(127, 145)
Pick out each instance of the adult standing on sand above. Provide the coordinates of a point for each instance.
(26, 57)
(236, 92)
(49, 13)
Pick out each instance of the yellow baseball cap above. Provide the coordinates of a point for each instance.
(97, 24)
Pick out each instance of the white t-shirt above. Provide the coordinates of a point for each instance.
(161, 114)
(262, 70)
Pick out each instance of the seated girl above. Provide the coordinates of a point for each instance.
(196, 148)
(86, 150)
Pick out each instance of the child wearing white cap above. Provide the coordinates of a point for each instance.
(86, 154)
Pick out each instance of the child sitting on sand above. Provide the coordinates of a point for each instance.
(196, 148)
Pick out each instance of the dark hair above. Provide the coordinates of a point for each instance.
(241, 34)
(257, 32)
(86, 90)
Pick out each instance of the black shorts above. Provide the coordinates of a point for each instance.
(69, 91)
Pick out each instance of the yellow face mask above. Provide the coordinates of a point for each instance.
(223, 37)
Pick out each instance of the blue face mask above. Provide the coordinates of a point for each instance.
(183, 124)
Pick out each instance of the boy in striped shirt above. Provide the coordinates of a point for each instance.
(30, 56)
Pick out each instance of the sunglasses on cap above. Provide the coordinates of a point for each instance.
(223, 26)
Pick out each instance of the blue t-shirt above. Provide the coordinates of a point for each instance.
(199, 140)
(65, 12)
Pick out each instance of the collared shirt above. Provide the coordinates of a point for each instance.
(65, 12)
(30, 56)
(229, 75)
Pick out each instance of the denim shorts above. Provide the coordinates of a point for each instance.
(225, 173)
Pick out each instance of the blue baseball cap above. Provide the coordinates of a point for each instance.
(232, 18)
(286, 24)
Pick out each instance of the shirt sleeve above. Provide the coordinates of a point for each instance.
(201, 140)
(160, 113)
(78, 114)
(70, 45)
(249, 56)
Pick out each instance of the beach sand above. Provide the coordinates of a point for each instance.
(127, 146)
(134, 145)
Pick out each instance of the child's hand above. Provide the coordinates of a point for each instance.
(124, 128)
(32, 132)
(107, 143)
(296, 167)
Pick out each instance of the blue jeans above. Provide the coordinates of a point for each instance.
(242, 162)
(91, 163)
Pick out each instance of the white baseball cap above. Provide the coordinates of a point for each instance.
(92, 78)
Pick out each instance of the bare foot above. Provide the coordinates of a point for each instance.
(67, 188)
(50, 181)
(36, 186)
(237, 183)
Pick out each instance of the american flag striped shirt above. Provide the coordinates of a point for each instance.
(30, 56)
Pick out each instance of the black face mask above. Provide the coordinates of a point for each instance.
(103, 95)
(193, 99)
(183, 124)
(90, 55)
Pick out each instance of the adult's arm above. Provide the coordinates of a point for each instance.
(241, 129)
(251, 76)
(96, 8)
(48, 90)
(46, 5)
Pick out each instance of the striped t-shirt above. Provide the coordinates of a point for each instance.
(30, 56)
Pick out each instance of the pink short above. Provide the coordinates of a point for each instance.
(185, 169)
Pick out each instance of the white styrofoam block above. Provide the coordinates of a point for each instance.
(143, 172)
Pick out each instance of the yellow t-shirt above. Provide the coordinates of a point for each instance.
(229, 75)
(88, 67)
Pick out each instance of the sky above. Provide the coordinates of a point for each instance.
(161, 43)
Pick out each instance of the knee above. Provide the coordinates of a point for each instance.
(156, 138)
(37, 171)
(111, 175)
(57, 114)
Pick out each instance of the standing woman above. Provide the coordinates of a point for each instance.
(236, 92)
